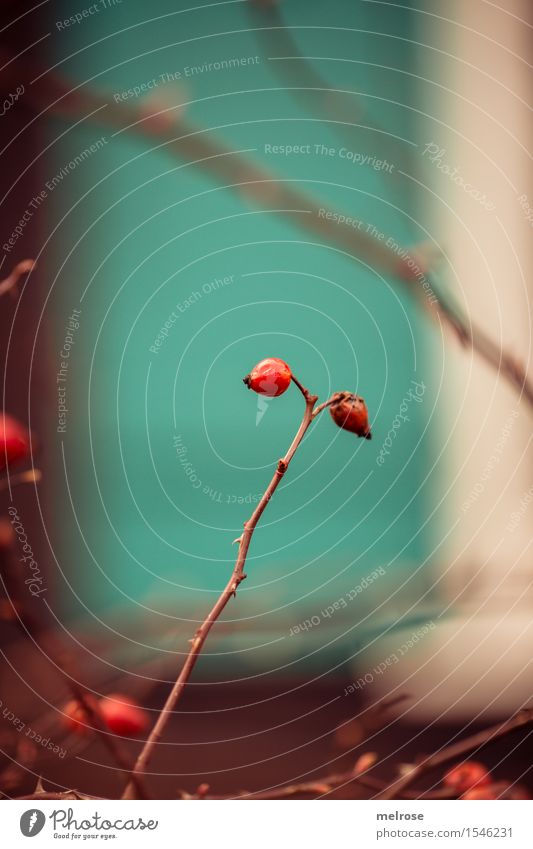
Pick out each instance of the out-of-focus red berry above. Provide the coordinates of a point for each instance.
(351, 413)
(499, 790)
(467, 776)
(269, 377)
(14, 441)
(123, 715)
(75, 716)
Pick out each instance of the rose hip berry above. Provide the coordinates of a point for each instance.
(269, 377)
(123, 715)
(467, 776)
(499, 790)
(118, 713)
(14, 441)
(350, 412)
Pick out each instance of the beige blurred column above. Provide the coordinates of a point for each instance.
(491, 252)
(478, 660)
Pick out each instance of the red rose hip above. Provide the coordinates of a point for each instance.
(14, 441)
(123, 715)
(467, 776)
(269, 377)
(350, 412)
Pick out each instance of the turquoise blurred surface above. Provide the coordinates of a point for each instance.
(166, 451)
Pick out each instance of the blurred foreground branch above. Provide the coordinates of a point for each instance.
(523, 719)
(44, 638)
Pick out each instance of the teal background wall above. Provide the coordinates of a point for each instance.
(163, 454)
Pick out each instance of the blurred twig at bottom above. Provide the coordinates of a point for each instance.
(523, 719)
(400, 787)
(358, 776)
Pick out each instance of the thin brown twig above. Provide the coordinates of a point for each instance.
(456, 751)
(228, 592)
(337, 396)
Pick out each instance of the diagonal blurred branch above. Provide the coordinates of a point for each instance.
(50, 94)
(344, 110)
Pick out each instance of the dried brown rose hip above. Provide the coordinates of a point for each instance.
(350, 412)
